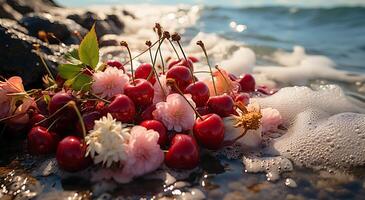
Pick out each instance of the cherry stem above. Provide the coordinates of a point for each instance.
(201, 44)
(54, 114)
(125, 44)
(37, 48)
(204, 72)
(173, 82)
(173, 46)
(155, 72)
(162, 61)
(99, 98)
(231, 142)
(156, 75)
(141, 52)
(12, 116)
(148, 43)
(53, 123)
(73, 105)
(182, 50)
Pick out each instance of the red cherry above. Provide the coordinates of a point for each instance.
(183, 153)
(41, 141)
(209, 131)
(199, 92)
(247, 83)
(140, 91)
(42, 106)
(71, 154)
(122, 108)
(204, 110)
(36, 118)
(181, 75)
(101, 108)
(158, 127)
(147, 113)
(193, 59)
(115, 63)
(243, 98)
(143, 71)
(66, 118)
(58, 100)
(222, 105)
(182, 62)
(89, 121)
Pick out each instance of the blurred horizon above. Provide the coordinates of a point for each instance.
(221, 3)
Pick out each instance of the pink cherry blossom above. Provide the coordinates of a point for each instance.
(23, 108)
(109, 82)
(144, 153)
(11, 92)
(222, 82)
(175, 113)
(12, 85)
(143, 156)
(159, 94)
(270, 120)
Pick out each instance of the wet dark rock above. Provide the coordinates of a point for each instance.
(28, 6)
(116, 21)
(6, 11)
(108, 40)
(19, 58)
(127, 13)
(110, 25)
(86, 20)
(61, 28)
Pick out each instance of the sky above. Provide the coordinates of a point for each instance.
(228, 3)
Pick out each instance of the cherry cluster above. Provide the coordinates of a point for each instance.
(60, 123)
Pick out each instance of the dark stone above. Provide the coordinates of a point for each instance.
(86, 20)
(44, 22)
(61, 28)
(117, 22)
(18, 57)
(108, 40)
(28, 6)
(111, 25)
(6, 11)
(127, 13)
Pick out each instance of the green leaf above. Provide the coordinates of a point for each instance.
(75, 53)
(82, 82)
(73, 57)
(68, 71)
(89, 49)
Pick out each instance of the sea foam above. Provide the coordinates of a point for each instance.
(325, 129)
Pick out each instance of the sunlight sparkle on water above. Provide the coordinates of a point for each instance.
(237, 27)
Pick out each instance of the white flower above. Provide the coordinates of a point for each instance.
(107, 142)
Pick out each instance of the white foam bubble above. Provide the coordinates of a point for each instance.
(291, 101)
(317, 140)
(272, 166)
(325, 129)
